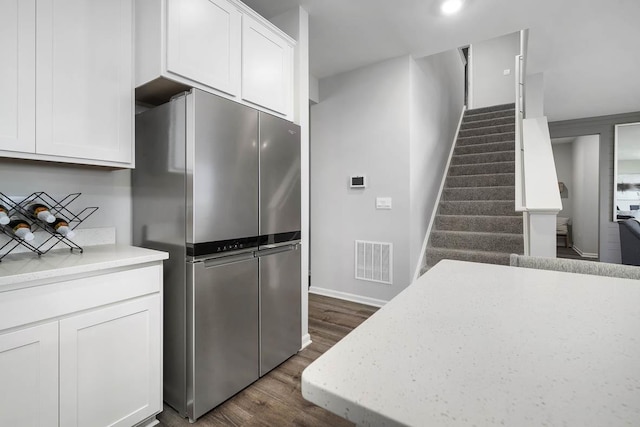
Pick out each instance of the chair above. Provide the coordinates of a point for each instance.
(575, 266)
(630, 241)
(562, 229)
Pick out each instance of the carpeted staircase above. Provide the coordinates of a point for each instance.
(476, 220)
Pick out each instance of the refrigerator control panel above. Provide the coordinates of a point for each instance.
(220, 246)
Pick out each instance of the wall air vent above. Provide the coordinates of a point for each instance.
(374, 261)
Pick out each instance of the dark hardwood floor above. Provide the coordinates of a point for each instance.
(276, 399)
(570, 253)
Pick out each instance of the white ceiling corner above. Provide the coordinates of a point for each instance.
(587, 49)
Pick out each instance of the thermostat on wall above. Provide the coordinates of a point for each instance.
(358, 181)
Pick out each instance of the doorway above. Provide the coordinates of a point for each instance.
(464, 55)
(577, 163)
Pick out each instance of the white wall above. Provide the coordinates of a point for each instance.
(314, 90)
(563, 158)
(488, 61)
(628, 166)
(534, 95)
(393, 122)
(361, 126)
(109, 190)
(437, 97)
(603, 126)
(585, 201)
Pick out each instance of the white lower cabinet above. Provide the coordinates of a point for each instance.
(29, 377)
(110, 365)
(93, 356)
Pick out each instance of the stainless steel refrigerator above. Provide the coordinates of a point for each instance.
(217, 185)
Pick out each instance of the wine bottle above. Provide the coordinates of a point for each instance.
(62, 227)
(41, 212)
(4, 217)
(20, 228)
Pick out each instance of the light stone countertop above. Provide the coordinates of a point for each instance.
(25, 269)
(478, 344)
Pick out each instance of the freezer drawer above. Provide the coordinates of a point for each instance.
(222, 331)
(280, 330)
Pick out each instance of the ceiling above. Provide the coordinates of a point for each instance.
(588, 50)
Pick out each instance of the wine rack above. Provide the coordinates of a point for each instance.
(58, 208)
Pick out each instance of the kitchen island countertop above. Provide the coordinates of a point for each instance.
(480, 344)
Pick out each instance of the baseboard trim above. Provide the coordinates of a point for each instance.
(347, 296)
(306, 341)
(584, 254)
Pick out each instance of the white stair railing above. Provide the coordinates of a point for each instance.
(537, 194)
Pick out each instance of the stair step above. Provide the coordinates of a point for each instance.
(482, 168)
(488, 147)
(433, 255)
(478, 207)
(473, 240)
(487, 157)
(503, 192)
(483, 139)
(501, 107)
(470, 117)
(477, 210)
(488, 130)
(473, 124)
(424, 269)
(480, 223)
(494, 180)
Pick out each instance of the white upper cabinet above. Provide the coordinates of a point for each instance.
(220, 46)
(84, 79)
(17, 74)
(267, 65)
(203, 43)
(75, 57)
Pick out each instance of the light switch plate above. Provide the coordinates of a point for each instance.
(383, 202)
(507, 72)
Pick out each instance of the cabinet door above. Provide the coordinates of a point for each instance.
(17, 75)
(267, 68)
(203, 42)
(110, 365)
(84, 79)
(29, 377)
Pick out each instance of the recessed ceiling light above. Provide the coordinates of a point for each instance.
(449, 7)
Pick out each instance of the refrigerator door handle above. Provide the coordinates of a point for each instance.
(214, 262)
(276, 250)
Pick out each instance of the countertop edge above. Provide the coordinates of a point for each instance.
(23, 270)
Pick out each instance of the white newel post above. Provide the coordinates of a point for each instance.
(542, 233)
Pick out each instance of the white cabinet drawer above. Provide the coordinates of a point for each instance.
(37, 303)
